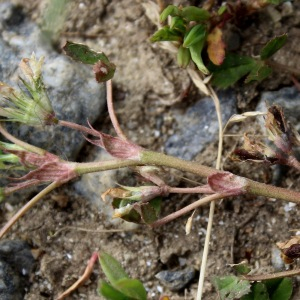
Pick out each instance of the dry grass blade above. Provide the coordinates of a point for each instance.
(152, 12)
(242, 117)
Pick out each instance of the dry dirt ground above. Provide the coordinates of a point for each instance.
(66, 229)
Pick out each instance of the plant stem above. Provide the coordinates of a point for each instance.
(252, 187)
(163, 160)
(188, 208)
(111, 111)
(86, 275)
(76, 127)
(20, 143)
(27, 206)
(91, 167)
(193, 190)
(272, 276)
(269, 191)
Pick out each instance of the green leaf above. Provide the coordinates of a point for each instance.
(280, 290)
(84, 54)
(170, 10)
(241, 268)
(273, 46)
(111, 268)
(259, 72)
(193, 13)
(133, 216)
(150, 211)
(196, 50)
(196, 34)
(109, 292)
(165, 34)
(258, 292)
(103, 68)
(231, 287)
(233, 68)
(132, 288)
(183, 57)
(177, 23)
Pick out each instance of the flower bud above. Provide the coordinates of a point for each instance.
(32, 108)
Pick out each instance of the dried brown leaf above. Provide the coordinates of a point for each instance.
(216, 46)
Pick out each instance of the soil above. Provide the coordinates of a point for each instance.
(66, 229)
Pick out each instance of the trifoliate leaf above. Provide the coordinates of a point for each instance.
(231, 287)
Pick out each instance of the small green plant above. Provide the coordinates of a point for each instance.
(242, 287)
(120, 286)
(198, 32)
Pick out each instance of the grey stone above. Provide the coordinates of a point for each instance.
(198, 126)
(276, 259)
(16, 264)
(176, 280)
(73, 91)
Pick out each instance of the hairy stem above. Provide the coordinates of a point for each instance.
(269, 191)
(76, 127)
(251, 187)
(20, 143)
(193, 190)
(91, 167)
(111, 111)
(163, 160)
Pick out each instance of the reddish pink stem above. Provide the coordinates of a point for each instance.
(86, 275)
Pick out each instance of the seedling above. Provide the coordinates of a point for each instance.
(198, 32)
(242, 287)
